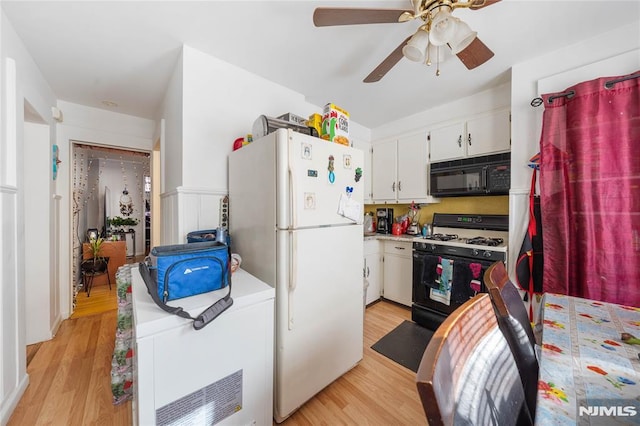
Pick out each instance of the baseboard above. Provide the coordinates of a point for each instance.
(56, 326)
(10, 404)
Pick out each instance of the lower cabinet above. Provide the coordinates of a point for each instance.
(372, 270)
(398, 271)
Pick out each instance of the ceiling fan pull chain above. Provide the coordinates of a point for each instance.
(469, 139)
(460, 141)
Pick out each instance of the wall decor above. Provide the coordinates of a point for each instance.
(55, 161)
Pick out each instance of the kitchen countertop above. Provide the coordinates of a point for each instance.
(391, 237)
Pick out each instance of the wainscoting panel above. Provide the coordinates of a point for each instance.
(169, 218)
(187, 210)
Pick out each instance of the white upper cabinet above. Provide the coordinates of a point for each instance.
(447, 142)
(384, 161)
(489, 134)
(367, 173)
(400, 169)
(412, 167)
(486, 134)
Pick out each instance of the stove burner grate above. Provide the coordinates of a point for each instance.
(442, 237)
(484, 241)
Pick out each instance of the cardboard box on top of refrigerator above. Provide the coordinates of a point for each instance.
(335, 124)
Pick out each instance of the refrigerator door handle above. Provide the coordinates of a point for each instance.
(292, 191)
(293, 272)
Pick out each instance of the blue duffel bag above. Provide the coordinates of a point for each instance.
(185, 270)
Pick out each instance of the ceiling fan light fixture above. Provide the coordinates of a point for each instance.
(435, 55)
(462, 37)
(443, 27)
(416, 47)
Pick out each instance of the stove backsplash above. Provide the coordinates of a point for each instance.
(492, 204)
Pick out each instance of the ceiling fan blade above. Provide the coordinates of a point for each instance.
(477, 53)
(386, 65)
(329, 16)
(479, 4)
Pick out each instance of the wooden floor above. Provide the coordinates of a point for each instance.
(70, 384)
(101, 299)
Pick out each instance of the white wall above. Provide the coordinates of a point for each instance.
(170, 134)
(600, 56)
(220, 103)
(111, 176)
(38, 288)
(28, 85)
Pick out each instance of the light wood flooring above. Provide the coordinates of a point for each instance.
(70, 380)
(102, 299)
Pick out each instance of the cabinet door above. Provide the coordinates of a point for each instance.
(367, 172)
(398, 272)
(489, 134)
(384, 161)
(447, 142)
(412, 167)
(372, 275)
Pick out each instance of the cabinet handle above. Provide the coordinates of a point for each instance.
(399, 248)
(399, 185)
(460, 141)
(469, 140)
(367, 272)
(393, 187)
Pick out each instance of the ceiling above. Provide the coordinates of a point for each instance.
(124, 52)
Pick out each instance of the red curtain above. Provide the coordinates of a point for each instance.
(590, 191)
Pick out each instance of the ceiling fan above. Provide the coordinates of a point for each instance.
(440, 29)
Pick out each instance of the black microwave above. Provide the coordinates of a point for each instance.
(486, 175)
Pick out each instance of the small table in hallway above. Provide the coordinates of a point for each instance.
(584, 363)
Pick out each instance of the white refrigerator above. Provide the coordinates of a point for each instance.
(295, 205)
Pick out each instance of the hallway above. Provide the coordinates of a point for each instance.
(102, 299)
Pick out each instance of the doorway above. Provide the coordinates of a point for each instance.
(111, 198)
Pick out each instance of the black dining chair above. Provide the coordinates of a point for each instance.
(513, 320)
(468, 375)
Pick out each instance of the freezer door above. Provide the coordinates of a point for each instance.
(319, 311)
(318, 174)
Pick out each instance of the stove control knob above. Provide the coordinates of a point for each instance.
(433, 246)
(487, 254)
(476, 252)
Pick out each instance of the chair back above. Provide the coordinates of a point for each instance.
(513, 320)
(467, 374)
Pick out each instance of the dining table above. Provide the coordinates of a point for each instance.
(589, 374)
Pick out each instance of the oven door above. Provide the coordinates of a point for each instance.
(466, 277)
(463, 180)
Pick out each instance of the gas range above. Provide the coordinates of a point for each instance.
(449, 265)
(472, 236)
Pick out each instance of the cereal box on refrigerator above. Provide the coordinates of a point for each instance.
(335, 124)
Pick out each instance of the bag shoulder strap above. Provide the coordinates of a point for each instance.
(205, 317)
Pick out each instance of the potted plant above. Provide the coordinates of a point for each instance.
(97, 263)
(121, 222)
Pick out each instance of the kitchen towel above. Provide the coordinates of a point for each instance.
(443, 294)
(430, 276)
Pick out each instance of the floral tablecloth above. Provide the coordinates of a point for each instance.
(584, 363)
(122, 360)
